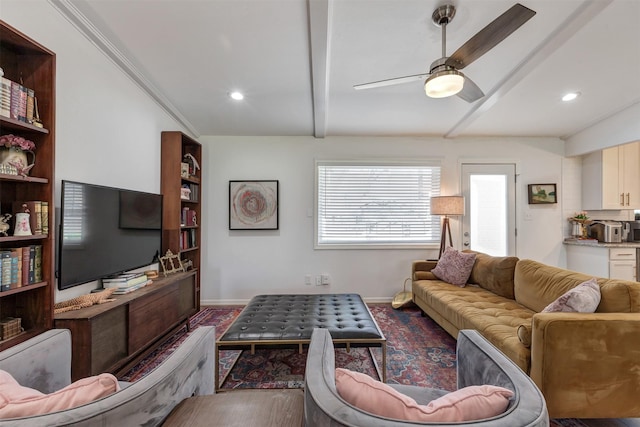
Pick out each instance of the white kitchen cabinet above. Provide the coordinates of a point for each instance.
(622, 263)
(611, 178)
(599, 261)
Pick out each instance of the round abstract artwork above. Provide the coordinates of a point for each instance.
(254, 205)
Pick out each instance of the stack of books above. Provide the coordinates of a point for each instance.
(126, 283)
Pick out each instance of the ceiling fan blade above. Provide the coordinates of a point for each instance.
(487, 38)
(389, 82)
(470, 91)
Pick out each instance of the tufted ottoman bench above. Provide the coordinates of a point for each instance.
(289, 320)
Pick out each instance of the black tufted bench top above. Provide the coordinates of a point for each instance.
(289, 320)
(293, 317)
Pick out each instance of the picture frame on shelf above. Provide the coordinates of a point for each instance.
(542, 194)
(184, 170)
(253, 205)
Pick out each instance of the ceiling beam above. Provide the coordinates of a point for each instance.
(320, 13)
(584, 14)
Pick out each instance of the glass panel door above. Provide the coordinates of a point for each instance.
(488, 225)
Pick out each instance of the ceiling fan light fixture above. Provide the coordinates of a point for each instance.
(444, 83)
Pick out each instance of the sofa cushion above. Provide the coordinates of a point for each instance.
(494, 274)
(454, 266)
(584, 298)
(466, 404)
(17, 401)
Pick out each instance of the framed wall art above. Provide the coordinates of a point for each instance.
(253, 205)
(542, 194)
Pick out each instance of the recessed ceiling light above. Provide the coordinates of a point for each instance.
(237, 96)
(570, 96)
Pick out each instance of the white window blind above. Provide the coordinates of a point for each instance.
(384, 204)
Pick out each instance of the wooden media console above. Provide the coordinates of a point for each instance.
(113, 336)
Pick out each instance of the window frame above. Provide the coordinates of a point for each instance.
(426, 162)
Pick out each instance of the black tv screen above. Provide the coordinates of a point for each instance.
(106, 231)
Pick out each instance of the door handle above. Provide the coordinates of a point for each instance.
(628, 198)
(621, 199)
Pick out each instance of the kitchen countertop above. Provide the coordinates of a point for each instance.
(587, 242)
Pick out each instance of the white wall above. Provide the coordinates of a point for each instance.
(107, 128)
(240, 264)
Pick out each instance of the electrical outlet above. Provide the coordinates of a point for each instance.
(318, 281)
(307, 280)
(325, 279)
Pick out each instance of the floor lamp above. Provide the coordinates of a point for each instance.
(447, 206)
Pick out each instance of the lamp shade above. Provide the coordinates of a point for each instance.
(444, 83)
(447, 205)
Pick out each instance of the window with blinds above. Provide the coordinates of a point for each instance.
(376, 204)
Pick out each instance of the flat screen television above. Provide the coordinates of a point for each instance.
(106, 231)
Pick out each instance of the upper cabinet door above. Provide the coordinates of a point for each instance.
(631, 175)
(611, 178)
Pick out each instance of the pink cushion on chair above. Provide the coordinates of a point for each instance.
(454, 266)
(17, 401)
(467, 404)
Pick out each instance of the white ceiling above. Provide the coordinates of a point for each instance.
(297, 61)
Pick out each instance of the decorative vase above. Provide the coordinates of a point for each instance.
(15, 157)
(23, 228)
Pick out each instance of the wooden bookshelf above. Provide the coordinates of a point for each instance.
(181, 236)
(25, 60)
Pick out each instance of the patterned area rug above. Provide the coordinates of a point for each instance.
(419, 352)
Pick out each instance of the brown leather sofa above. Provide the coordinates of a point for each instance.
(587, 365)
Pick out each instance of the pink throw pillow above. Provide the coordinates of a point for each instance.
(467, 404)
(454, 266)
(584, 298)
(17, 401)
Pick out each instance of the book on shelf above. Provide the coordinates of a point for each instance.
(183, 216)
(32, 260)
(17, 278)
(16, 89)
(44, 212)
(5, 97)
(26, 261)
(191, 218)
(14, 269)
(30, 105)
(37, 268)
(5, 275)
(22, 115)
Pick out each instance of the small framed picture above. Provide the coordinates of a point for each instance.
(253, 205)
(184, 170)
(542, 194)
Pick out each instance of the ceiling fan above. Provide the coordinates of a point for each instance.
(444, 77)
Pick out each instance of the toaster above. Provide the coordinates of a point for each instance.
(606, 231)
